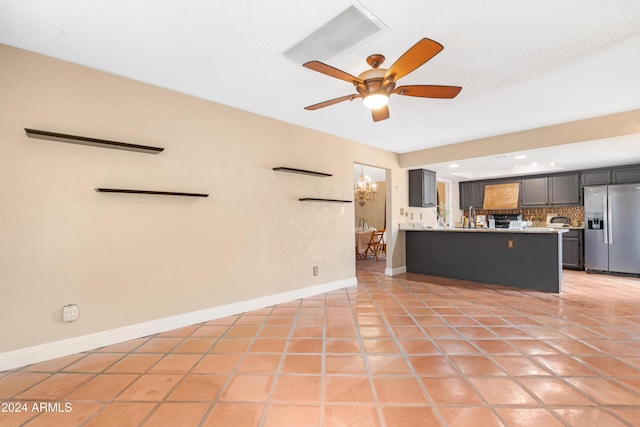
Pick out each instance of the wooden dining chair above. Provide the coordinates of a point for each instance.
(376, 243)
(384, 244)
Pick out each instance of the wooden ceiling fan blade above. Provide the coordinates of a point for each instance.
(429, 91)
(332, 101)
(413, 58)
(380, 113)
(332, 72)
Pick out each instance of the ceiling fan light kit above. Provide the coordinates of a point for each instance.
(375, 101)
(376, 85)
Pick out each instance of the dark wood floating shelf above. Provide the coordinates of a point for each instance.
(160, 193)
(82, 140)
(301, 171)
(309, 199)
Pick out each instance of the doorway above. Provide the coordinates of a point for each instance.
(444, 206)
(370, 213)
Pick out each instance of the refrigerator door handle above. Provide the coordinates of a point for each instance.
(610, 218)
(605, 219)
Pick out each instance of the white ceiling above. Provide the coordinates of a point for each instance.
(521, 64)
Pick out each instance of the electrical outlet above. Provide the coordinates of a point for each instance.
(421, 215)
(315, 270)
(510, 244)
(70, 313)
(411, 215)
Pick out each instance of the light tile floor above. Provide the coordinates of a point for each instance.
(394, 351)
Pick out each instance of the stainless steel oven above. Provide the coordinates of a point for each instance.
(503, 220)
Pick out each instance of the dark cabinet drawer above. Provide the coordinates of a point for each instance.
(571, 234)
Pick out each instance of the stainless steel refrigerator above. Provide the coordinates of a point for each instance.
(612, 229)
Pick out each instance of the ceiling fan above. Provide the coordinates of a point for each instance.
(375, 86)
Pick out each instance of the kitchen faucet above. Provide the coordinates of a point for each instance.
(472, 216)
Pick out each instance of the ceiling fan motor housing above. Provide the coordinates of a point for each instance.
(374, 82)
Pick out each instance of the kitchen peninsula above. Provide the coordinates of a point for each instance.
(528, 259)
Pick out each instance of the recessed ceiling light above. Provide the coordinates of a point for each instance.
(534, 164)
(552, 164)
(453, 166)
(519, 157)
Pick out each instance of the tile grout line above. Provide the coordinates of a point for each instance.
(230, 375)
(446, 356)
(374, 393)
(414, 374)
(160, 402)
(515, 378)
(276, 375)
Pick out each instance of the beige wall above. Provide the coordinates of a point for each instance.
(126, 259)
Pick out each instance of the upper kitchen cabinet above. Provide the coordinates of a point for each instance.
(596, 177)
(534, 192)
(626, 174)
(617, 175)
(422, 188)
(564, 190)
(552, 190)
(471, 194)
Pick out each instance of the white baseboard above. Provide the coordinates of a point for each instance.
(395, 271)
(40, 353)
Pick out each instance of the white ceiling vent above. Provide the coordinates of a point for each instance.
(348, 30)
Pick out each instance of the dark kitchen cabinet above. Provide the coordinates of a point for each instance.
(465, 195)
(534, 192)
(422, 188)
(471, 194)
(628, 174)
(597, 177)
(564, 190)
(572, 254)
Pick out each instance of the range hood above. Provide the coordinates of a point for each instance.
(501, 196)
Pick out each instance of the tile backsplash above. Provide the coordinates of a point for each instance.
(571, 212)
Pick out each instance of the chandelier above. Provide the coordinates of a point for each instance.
(364, 191)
